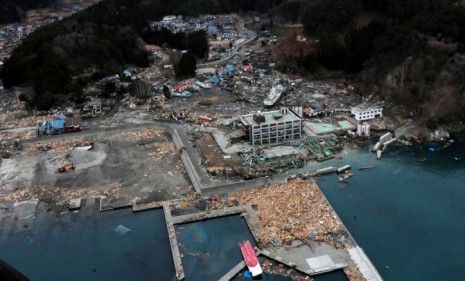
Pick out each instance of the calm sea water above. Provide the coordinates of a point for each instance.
(408, 213)
(210, 248)
(333, 276)
(121, 245)
(74, 247)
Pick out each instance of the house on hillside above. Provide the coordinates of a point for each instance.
(366, 111)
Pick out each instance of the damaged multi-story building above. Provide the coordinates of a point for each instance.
(272, 127)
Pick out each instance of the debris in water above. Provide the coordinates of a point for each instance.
(122, 230)
(366, 168)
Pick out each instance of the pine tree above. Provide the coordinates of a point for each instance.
(186, 66)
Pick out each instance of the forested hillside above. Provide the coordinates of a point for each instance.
(14, 10)
(58, 60)
(408, 51)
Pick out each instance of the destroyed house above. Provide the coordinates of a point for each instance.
(272, 126)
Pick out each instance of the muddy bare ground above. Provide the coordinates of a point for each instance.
(142, 166)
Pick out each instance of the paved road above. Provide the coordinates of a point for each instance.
(93, 131)
(234, 51)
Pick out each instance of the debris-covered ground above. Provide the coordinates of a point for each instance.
(296, 210)
(19, 118)
(353, 273)
(133, 164)
(214, 160)
(59, 198)
(269, 266)
(14, 114)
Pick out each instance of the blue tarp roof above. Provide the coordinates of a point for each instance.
(57, 123)
(228, 69)
(215, 80)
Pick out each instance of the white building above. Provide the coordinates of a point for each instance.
(365, 111)
(272, 126)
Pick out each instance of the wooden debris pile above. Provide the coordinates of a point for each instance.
(280, 269)
(16, 136)
(19, 118)
(9, 142)
(353, 274)
(67, 167)
(140, 134)
(296, 210)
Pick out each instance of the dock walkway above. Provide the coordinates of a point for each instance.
(233, 272)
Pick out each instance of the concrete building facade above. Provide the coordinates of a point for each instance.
(365, 111)
(272, 126)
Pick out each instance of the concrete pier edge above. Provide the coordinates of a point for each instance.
(368, 270)
(173, 242)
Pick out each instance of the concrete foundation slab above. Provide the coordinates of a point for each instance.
(314, 259)
(321, 263)
(75, 204)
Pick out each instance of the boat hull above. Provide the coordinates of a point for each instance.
(250, 258)
(275, 94)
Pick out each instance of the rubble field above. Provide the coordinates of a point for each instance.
(9, 136)
(136, 164)
(19, 118)
(213, 158)
(296, 210)
(353, 273)
(214, 103)
(9, 142)
(280, 269)
(59, 197)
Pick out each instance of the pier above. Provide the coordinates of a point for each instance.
(233, 272)
(173, 242)
(146, 207)
(310, 259)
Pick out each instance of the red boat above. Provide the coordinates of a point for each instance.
(250, 258)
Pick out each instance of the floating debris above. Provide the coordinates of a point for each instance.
(122, 230)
